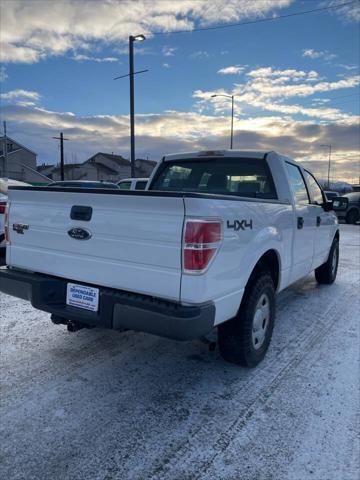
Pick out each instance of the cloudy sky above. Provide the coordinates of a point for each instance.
(296, 79)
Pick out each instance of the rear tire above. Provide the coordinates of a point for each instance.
(326, 273)
(352, 216)
(244, 339)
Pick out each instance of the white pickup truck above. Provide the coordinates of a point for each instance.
(208, 244)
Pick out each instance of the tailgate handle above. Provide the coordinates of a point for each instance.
(81, 212)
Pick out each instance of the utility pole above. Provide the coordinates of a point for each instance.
(131, 74)
(61, 138)
(6, 173)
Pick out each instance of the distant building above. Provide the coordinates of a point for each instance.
(144, 168)
(21, 162)
(101, 166)
(116, 167)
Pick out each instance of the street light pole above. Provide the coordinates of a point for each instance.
(131, 74)
(232, 115)
(132, 106)
(232, 121)
(328, 179)
(6, 166)
(329, 166)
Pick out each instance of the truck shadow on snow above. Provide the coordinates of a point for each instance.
(133, 352)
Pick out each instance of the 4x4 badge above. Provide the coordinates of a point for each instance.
(240, 224)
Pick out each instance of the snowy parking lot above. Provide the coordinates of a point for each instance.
(105, 405)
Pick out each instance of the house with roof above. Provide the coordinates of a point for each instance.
(120, 165)
(117, 164)
(21, 162)
(101, 166)
(144, 168)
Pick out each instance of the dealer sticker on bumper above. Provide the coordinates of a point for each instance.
(82, 297)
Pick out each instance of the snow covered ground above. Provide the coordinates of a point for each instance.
(105, 405)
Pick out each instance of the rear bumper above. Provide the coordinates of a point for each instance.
(117, 309)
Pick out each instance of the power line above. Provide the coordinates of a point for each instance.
(341, 102)
(344, 96)
(329, 100)
(262, 20)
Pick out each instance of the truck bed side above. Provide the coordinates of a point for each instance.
(224, 282)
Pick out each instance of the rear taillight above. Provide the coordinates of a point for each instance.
(2, 208)
(202, 239)
(6, 222)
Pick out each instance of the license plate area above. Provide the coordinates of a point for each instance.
(81, 296)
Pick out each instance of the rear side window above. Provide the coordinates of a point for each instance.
(140, 185)
(125, 185)
(315, 190)
(297, 184)
(223, 176)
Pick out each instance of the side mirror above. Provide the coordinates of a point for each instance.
(340, 203)
(328, 205)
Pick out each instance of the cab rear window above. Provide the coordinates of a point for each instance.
(223, 176)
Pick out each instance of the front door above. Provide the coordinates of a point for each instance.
(304, 224)
(324, 221)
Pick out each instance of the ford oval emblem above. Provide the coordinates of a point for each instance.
(79, 233)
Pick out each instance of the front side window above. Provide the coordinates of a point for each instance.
(223, 176)
(315, 190)
(125, 185)
(297, 184)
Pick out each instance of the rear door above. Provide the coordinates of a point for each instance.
(304, 224)
(133, 241)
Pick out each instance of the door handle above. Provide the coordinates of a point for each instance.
(318, 221)
(300, 222)
(81, 212)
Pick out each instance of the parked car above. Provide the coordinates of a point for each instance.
(348, 207)
(83, 184)
(133, 183)
(331, 195)
(209, 244)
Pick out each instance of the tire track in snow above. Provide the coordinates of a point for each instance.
(185, 465)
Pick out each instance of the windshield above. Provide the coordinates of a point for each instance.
(223, 176)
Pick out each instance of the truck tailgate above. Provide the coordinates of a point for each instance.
(134, 244)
